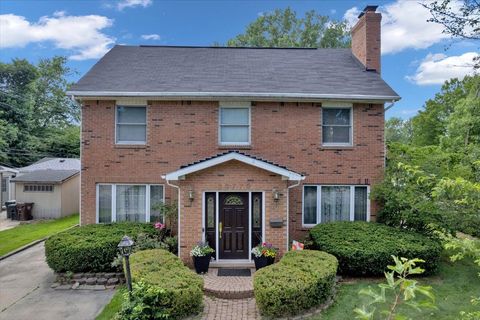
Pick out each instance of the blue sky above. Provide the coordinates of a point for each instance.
(414, 61)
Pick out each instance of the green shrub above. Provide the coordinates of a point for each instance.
(178, 291)
(366, 248)
(91, 247)
(300, 281)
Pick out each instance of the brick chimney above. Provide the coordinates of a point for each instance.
(366, 38)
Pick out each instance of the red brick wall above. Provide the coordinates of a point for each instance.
(179, 133)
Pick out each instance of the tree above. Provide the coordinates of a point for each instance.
(459, 22)
(36, 117)
(282, 28)
(398, 130)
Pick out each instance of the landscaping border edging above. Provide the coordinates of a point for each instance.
(31, 244)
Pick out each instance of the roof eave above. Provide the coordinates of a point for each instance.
(257, 96)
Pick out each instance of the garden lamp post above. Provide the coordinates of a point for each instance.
(125, 247)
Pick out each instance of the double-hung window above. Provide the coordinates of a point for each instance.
(131, 125)
(337, 126)
(234, 124)
(129, 202)
(334, 203)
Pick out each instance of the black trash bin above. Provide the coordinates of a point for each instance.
(11, 209)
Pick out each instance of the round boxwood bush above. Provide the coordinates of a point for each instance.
(366, 248)
(90, 248)
(182, 289)
(300, 281)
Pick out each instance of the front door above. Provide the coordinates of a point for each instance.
(233, 225)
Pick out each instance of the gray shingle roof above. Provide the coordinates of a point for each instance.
(53, 164)
(50, 176)
(283, 72)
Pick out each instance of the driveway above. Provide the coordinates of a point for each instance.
(25, 292)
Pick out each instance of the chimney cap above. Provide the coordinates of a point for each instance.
(367, 9)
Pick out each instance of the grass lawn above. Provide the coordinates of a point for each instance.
(453, 286)
(23, 234)
(113, 307)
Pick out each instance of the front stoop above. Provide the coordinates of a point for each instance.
(227, 287)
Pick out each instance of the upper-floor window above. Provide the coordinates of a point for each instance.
(337, 126)
(234, 125)
(131, 125)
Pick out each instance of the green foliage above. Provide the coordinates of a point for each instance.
(398, 130)
(169, 288)
(282, 28)
(36, 117)
(90, 247)
(300, 281)
(398, 290)
(365, 248)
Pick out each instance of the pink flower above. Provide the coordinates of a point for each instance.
(159, 225)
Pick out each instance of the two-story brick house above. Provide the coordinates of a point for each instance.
(255, 144)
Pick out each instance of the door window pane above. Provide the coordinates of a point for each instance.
(310, 205)
(156, 201)
(131, 202)
(361, 203)
(335, 203)
(104, 203)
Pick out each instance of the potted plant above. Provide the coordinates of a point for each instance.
(201, 255)
(264, 255)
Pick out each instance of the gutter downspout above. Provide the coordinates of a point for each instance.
(392, 103)
(288, 210)
(178, 214)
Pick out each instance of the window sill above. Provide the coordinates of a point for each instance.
(233, 146)
(336, 147)
(130, 146)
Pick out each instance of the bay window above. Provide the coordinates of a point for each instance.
(322, 203)
(129, 202)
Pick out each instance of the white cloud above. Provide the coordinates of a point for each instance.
(80, 34)
(437, 68)
(404, 26)
(133, 3)
(151, 36)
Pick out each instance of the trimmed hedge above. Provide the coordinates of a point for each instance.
(90, 248)
(366, 248)
(183, 294)
(300, 281)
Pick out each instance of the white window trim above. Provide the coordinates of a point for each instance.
(114, 200)
(337, 105)
(235, 105)
(319, 201)
(138, 124)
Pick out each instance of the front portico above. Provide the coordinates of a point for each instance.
(234, 201)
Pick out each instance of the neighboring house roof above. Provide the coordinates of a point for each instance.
(53, 164)
(46, 176)
(233, 155)
(218, 72)
(8, 169)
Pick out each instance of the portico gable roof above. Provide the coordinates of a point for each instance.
(233, 155)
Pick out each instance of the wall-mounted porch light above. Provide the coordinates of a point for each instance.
(191, 195)
(276, 195)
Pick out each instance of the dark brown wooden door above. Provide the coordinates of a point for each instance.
(233, 225)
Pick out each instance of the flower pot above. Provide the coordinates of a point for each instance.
(270, 260)
(260, 262)
(202, 263)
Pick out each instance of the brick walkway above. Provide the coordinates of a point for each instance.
(230, 309)
(228, 287)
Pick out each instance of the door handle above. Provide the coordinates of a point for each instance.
(220, 225)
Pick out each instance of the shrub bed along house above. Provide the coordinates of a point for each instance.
(300, 281)
(91, 248)
(172, 289)
(366, 248)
